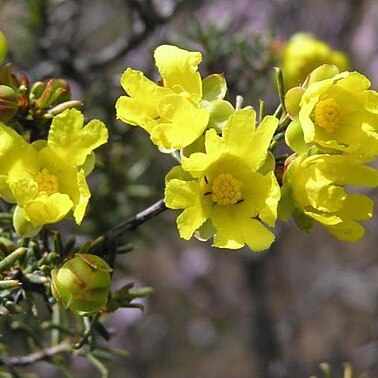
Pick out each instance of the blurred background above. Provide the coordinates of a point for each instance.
(214, 313)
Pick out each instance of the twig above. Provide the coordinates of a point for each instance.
(87, 333)
(123, 45)
(41, 355)
(132, 223)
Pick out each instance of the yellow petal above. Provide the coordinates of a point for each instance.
(256, 235)
(134, 112)
(186, 195)
(227, 234)
(196, 164)
(181, 123)
(48, 209)
(234, 232)
(348, 230)
(18, 159)
(213, 144)
(24, 190)
(269, 213)
(179, 69)
(190, 220)
(240, 134)
(141, 105)
(181, 194)
(71, 141)
(354, 82)
(358, 207)
(84, 194)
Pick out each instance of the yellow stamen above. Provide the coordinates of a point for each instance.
(327, 115)
(47, 182)
(226, 190)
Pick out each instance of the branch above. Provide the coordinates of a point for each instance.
(32, 358)
(132, 223)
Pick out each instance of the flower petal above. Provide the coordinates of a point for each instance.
(144, 94)
(181, 194)
(48, 209)
(18, 159)
(256, 235)
(234, 232)
(179, 69)
(240, 134)
(358, 207)
(80, 206)
(181, 123)
(190, 220)
(73, 142)
(24, 190)
(348, 230)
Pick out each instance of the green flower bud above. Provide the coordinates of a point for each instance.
(55, 91)
(3, 46)
(292, 100)
(323, 72)
(24, 227)
(8, 103)
(82, 284)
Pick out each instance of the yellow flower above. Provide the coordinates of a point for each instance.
(224, 191)
(316, 188)
(303, 53)
(337, 114)
(46, 179)
(176, 112)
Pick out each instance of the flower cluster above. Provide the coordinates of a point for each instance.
(334, 134)
(227, 189)
(176, 111)
(46, 179)
(227, 184)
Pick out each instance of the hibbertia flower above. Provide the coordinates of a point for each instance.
(229, 191)
(46, 179)
(176, 111)
(336, 112)
(317, 188)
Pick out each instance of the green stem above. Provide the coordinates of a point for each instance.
(280, 86)
(87, 333)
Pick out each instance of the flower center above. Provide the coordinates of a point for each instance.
(47, 182)
(327, 115)
(226, 189)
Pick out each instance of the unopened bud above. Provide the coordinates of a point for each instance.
(323, 72)
(82, 284)
(8, 103)
(23, 226)
(55, 91)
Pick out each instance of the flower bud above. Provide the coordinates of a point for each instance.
(82, 284)
(55, 91)
(323, 72)
(8, 103)
(23, 226)
(292, 101)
